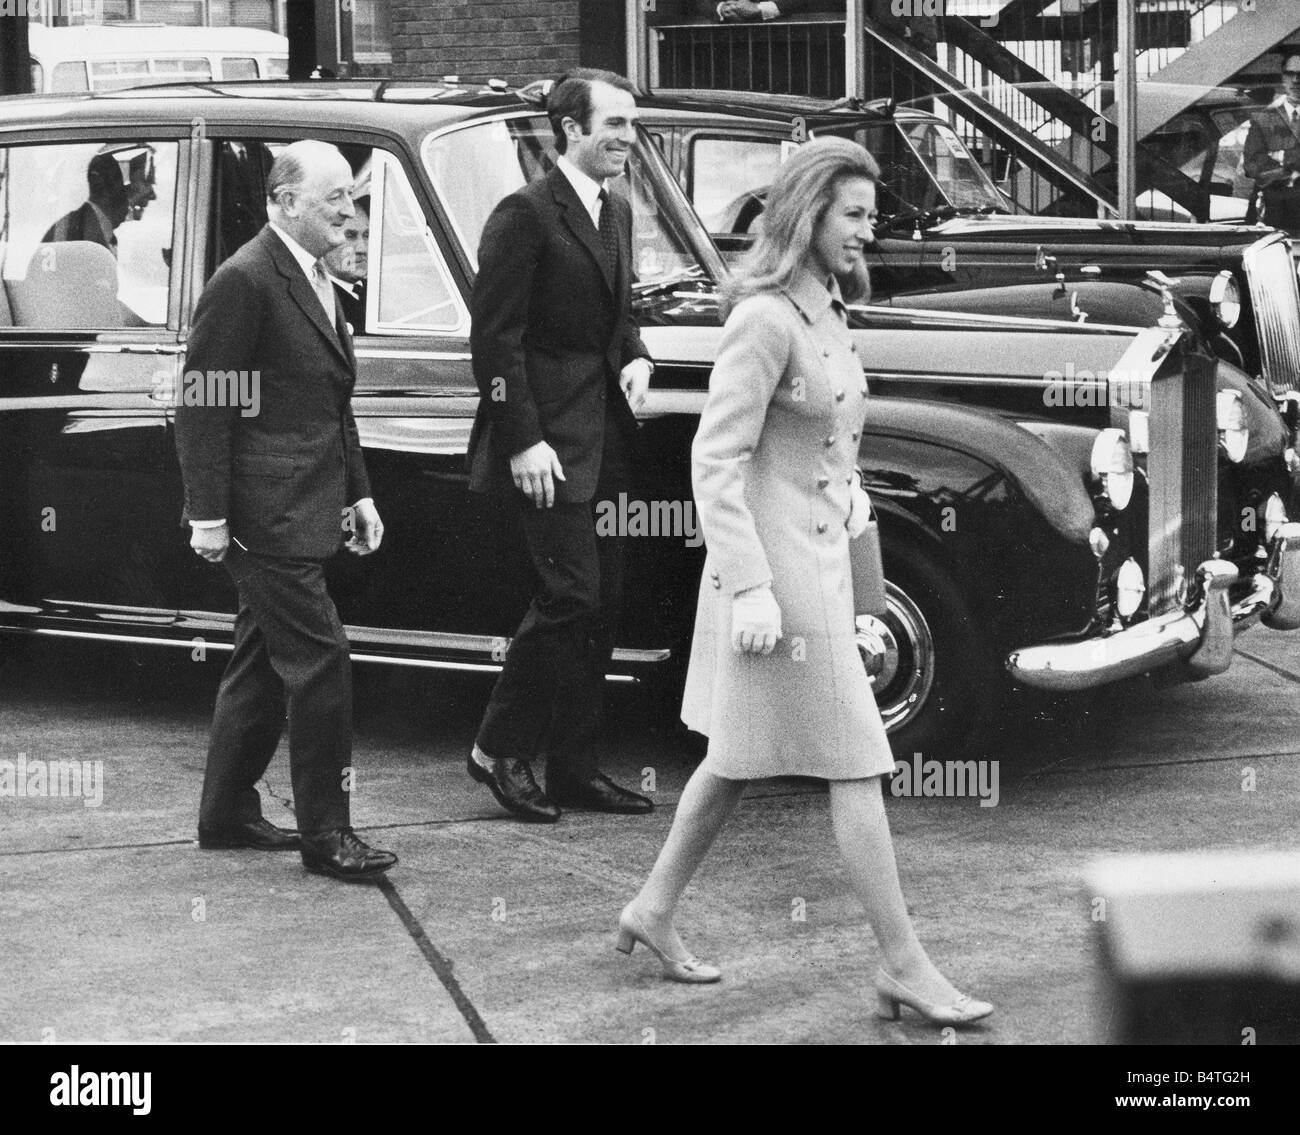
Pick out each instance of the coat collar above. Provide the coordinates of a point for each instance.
(303, 293)
(813, 296)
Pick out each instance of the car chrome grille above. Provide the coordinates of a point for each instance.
(1276, 298)
(1182, 474)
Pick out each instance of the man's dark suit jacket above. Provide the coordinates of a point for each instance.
(551, 332)
(282, 477)
(1271, 131)
(83, 223)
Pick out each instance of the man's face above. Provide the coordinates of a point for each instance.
(603, 152)
(350, 260)
(316, 212)
(1291, 79)
(139, 192)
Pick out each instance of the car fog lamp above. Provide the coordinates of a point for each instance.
(1139, 431)
(1130, 586)
(1231, 417)
(1274, 517)
(1098, 541)
(1225, 299)
(1112, 465)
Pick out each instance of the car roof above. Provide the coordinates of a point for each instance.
(780, 108)
(141, 39)
(398, 105)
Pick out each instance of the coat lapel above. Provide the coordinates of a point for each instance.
(579, 223)
(304, 295)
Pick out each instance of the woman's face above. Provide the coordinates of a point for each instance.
(842, 235)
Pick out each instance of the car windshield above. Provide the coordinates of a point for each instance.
(475, 166)
(924, 165)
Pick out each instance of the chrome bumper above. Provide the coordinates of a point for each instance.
(1201, 635)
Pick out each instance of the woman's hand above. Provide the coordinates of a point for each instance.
(859, 509)
(755, 621)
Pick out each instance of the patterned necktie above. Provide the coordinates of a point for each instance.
(608, 233)
(324, 290)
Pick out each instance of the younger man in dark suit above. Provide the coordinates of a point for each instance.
(271, 495)
(1272, 153)
(560, 368)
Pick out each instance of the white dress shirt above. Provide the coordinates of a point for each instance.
(587, 189)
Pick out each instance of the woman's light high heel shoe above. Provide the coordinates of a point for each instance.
(631, 930)
(891, 994)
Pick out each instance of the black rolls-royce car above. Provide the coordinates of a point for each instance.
(1066, 550)
(949, 239)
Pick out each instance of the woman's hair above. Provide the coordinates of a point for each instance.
(796, 203)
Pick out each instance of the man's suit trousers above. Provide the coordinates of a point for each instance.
(291, 654)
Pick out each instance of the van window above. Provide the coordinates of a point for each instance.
(114, 74)
(69, 77)
(179, 70)
(241, 67)
(86, 238)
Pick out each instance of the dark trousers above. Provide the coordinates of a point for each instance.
(291, 654)
(551, 692)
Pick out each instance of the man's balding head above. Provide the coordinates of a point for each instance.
(309, 194)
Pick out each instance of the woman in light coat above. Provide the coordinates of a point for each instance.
(775, 680)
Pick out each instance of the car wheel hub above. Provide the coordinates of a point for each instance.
(898, 654)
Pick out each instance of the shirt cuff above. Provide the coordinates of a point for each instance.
(206, 523)
(364, 500)
(768, 9)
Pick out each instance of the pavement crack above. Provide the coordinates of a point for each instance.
(438, 962)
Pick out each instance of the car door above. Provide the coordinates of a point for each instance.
(434, 590)
(89, 348)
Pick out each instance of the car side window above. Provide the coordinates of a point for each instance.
(390, 275)
(86, 234)
(726, 173)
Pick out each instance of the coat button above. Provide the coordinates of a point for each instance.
(717, 583)
(855, 435)
(826, 354)
(853, 347)
(822, 482)
(821, 529)
(829, 441)
(839, 396)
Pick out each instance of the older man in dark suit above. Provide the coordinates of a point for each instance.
(271, 495)
(1272, 152)
(560, 368)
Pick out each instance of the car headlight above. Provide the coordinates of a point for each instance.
(1130, 586)
(1112, 465)
(1231, 417)
(1225, 299)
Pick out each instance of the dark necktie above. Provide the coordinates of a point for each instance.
(608, 234)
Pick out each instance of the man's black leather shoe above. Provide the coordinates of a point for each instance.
(342, 854)
(598, 794)
(512, 783)
(260, 834)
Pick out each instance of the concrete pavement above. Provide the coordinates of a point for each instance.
(117, 928)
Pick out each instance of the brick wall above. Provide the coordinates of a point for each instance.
(515, 40)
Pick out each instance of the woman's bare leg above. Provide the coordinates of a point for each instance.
(706, 802)
(862, 832)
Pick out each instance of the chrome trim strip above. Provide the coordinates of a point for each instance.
(625, 654)
(993, 320)
(368, 352)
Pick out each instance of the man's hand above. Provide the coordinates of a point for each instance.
(739, 10)
(211, 543)
(634, 381)
(367, 530)
(535, 471)
(755, 621)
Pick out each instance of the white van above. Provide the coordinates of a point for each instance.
(111, 57)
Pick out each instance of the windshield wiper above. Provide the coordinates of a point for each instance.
(923, 218)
